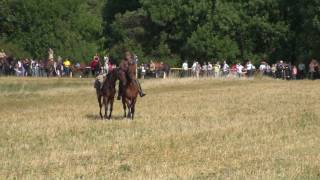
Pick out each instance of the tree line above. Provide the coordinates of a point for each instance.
(171, 31)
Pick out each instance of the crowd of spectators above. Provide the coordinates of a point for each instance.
(64, 67)
(50, 67)
(279, 70)
(25, 67)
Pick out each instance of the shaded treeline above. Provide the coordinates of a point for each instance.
(164, 29)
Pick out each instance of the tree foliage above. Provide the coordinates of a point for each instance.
(66, 26)
(164, 29)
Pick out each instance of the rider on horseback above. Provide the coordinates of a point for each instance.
(125, 75)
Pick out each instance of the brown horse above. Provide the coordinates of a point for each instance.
(160, 69)
(129, 91)
(49, 68)
(83, 70)
(107, 93)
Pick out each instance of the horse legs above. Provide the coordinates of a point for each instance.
(106, 104)
(128, 102)
(100, 105)
(124, 107)
(111, 107)
(133, 107)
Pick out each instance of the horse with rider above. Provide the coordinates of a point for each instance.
(129, 86)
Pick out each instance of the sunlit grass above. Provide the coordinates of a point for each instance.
(184, 129)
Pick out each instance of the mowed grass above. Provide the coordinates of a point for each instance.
(184, 129)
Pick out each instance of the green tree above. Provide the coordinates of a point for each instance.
(66, 26)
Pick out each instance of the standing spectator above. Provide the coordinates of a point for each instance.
(37, 68)
(234, 70)
(294, 72)
(41, 68)
(106, 59)
(95, 66)
(239, 70)
(280, 69)
(217, 68)
(301, 70)
(185, 69)
(50, 54)
(274, 70)
(106, 64)
(96, 57)
(152, 66)
(60, 68)
(210, 69)
(67, 65)
(313, 66)
(198, 70)
(143, 71)
(193, 69)
(19, 68)
(225, 69)
(26, 66)
(33, 68)
(250, 69)
(204, 70)
(269, 70)
(263, 68)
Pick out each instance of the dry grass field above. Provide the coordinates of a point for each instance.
(184, 129)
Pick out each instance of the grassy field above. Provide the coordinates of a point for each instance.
(184, 129)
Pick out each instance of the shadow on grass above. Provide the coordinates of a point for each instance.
(93, 117)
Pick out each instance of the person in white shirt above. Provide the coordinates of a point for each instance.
(106, 64)
(250, 69)
(263, 68)
(239, 70)
(193, 68)
(19, 68)
(198, 69)
(210, 69)
(185, 69)
(143, 71)
(225, 69)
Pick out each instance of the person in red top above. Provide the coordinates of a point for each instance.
(95, 65)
